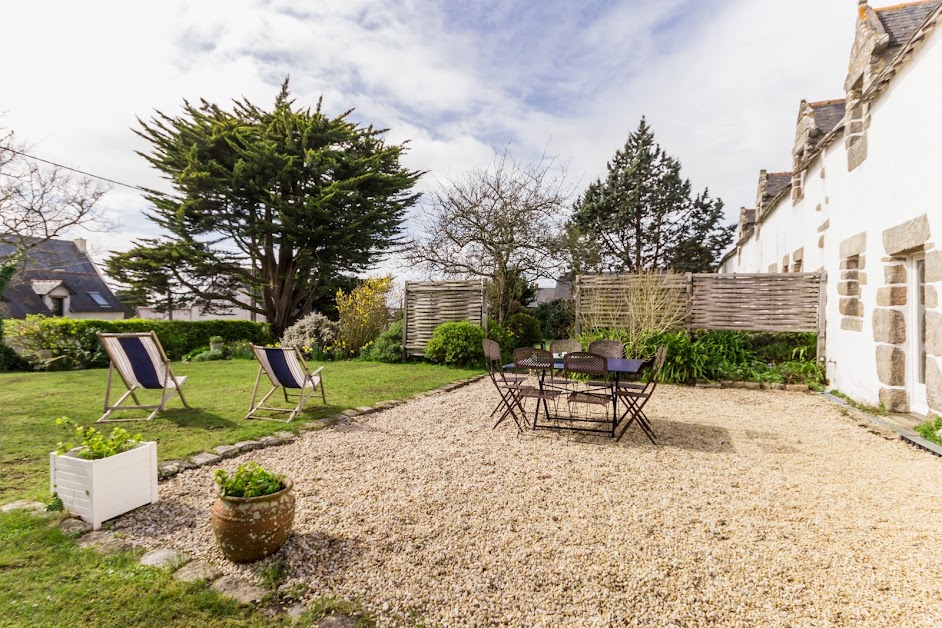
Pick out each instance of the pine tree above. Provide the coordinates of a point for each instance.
(150, 270)
(283, 203)
(642, 216)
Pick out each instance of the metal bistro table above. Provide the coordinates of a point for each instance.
(618, 366)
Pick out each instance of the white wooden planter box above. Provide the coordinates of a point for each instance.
(98, 490)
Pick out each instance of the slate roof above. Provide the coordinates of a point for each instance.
(903, 20)
(50, 263)
(828, 113)
(749, 216)
(777, 182)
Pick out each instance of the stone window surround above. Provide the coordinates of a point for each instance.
(853, 277)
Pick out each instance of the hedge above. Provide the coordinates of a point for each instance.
(72, 343)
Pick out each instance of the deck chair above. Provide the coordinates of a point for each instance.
(286, 369)
(636, 398)
(508, 386)
(142, 365)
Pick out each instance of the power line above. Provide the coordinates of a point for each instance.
(81, 172)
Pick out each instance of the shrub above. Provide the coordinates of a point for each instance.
(363, 314)
(460, 344)
(313, 334)
(388, 347)
(555, 317)
(72, 342)
(525, 329)
(503, 337)
(209, 356)
(249, 480)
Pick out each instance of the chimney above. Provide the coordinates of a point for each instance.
(82, 245)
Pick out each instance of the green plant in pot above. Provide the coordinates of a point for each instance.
(217, 343)
(253, 513)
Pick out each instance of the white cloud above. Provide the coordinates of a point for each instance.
(720, 81)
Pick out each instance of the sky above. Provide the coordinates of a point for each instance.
(719, 81)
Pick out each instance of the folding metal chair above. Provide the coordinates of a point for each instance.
(595, 393)
(608, 348)
(507, 386)
(561, 347)
(286, 369)
(538, 360)
(636, 398)
(142, 365)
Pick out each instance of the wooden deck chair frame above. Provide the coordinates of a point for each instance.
(168, 384)
(303, 373)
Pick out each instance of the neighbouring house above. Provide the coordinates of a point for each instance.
(860, 204)
(196, 313)
(58, 278)
(562, 290)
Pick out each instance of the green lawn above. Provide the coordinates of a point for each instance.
(219, 393)
(46, 580)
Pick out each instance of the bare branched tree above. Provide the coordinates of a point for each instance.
(39, 202)
(635, 308)
(500, 223)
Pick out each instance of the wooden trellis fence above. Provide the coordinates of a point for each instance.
(775, 302)
(428, 304)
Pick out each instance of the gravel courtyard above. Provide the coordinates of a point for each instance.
(758, 508)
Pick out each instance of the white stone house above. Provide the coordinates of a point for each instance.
(861, 204)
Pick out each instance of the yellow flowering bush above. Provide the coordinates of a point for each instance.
(363, 314)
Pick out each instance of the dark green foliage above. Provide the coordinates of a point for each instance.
(778, 347)
(9, 359)
(556, 318)
(502, 336)
(284, 202)
(249, 480)
(73, 342)
(150, 270)
(525, 330)
(459, 344)
(727, 355)
(644, 216)
(209, 356)
(388, 347)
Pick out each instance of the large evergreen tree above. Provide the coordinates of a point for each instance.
(284, 202)
(151, 271)
(642, 216)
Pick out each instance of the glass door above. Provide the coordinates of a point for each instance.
(917, 335)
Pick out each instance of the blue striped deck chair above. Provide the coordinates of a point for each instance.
(286, 369)
(142, 365)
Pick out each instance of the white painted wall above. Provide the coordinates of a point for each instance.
(900, 180)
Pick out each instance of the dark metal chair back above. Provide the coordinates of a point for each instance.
(586, 363)
(491, 354)
(565, 346)
(608, 348)
(531, 358)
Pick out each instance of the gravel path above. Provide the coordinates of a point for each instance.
(759, 508)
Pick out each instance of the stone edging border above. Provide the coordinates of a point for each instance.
(169, 468)
(753, 385)
(907, 436)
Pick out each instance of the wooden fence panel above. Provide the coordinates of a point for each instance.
(775, 302)
(428, 304)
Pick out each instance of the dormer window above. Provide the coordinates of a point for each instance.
(57, 306)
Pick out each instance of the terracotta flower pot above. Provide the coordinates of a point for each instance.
(250, 528)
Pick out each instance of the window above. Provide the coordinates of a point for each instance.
(100, 300)
(58, 306)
